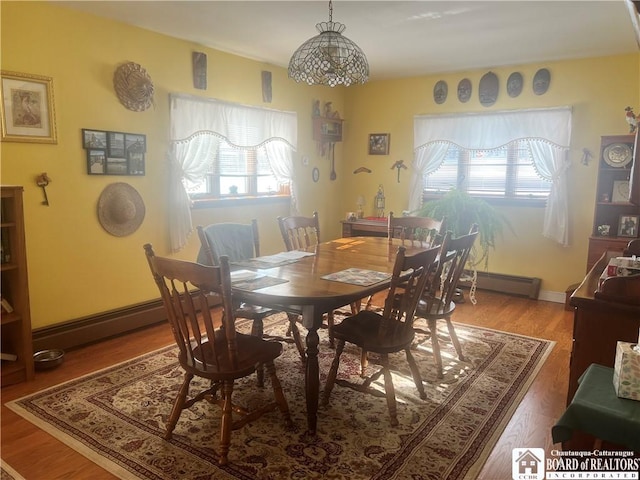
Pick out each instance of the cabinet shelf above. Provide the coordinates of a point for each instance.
(16, 336)
(608, 212)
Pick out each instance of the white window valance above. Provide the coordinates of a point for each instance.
(197, 126)
(545, 131)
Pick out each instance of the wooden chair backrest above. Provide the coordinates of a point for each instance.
(453, 259)
(418, 231)
(183, 288)
(238, 241)
(300, 232)
(633, 248)
(405, 292)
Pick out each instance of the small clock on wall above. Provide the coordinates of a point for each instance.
(315, 174)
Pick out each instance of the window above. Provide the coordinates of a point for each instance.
(236, 171)
(504, 172)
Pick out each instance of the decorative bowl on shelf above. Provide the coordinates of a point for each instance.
(47, 359)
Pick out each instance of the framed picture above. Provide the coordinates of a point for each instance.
(115, 145)
(379, 144)
(134, 142)
(620, 191)
(96, 161)
(27, 109)
(94, 138)
(628, 225)
(135, 162)
(116, 166)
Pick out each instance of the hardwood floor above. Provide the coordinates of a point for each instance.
(36, 455)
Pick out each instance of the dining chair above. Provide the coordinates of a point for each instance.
(239, 241)
(632, 248)
(437, 302)
(214, 352)
(416, 231)
(388, 332)
(299, 232)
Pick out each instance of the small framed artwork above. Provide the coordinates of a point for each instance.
(135, 143)
(628, 226)
(27, 109)
(94, 138)
(135, 163)
(96, 161)
(620, 191)
(116, 166)
(115, 145)
(379, 143)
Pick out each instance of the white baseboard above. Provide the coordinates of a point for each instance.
(549, 296)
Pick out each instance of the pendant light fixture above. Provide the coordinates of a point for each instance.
(329, 58)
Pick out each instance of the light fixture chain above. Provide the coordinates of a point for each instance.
(330, 11)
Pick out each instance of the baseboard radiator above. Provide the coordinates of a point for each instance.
(509, 284)
(94, 328)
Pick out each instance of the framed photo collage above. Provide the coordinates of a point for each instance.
(114, 153)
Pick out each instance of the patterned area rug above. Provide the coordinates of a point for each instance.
(116, 417)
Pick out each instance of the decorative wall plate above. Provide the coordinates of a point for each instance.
(464, 90)
(620, 191)
(514, 84)
(315, 174)
(488, 89)
(541, 81)
(617, 155)
(133, 86)
(440, 92)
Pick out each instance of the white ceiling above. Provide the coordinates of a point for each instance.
(399, 38)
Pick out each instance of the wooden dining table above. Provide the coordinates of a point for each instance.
(304, 291)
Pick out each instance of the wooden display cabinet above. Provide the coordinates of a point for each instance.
(17, 344)
(614, 173)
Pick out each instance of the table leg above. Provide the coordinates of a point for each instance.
(312, 321)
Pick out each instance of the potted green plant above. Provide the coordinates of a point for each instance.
(463, 210)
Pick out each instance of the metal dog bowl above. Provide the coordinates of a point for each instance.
(46, 359)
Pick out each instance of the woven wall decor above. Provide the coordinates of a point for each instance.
(133, 86)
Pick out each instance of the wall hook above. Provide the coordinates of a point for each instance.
(42, 181)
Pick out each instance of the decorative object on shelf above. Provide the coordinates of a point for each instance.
(488, 89)
(316, 108)
(379, 143)
(514, 84)
(27, 108)
(42, 181)
(266, 86)
(628, 226)
(586, 156)
(379, 202)
(329, 58)
(603, 230)
(617, 155)
(541, 81)
(620, 192)
(121, 209)
(133, 86)
(114, 153)
(464, 90)
(399, 165)
(199, 65)
(440, 92)
(360, 203)
(362, 169)
(631, 119)
(604, 198)
(315, 174)
(351, 217)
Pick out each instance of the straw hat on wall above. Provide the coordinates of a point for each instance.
(120, 209)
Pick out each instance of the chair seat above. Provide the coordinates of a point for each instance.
(436, 310)
(251, 351)
(363, 329)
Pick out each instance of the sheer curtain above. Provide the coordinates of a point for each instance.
(197, 127)
(545, 131)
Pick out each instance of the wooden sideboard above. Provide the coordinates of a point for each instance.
(364, 228)
(598, 324)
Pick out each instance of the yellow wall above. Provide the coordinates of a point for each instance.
(76, 269)
(598, 89)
